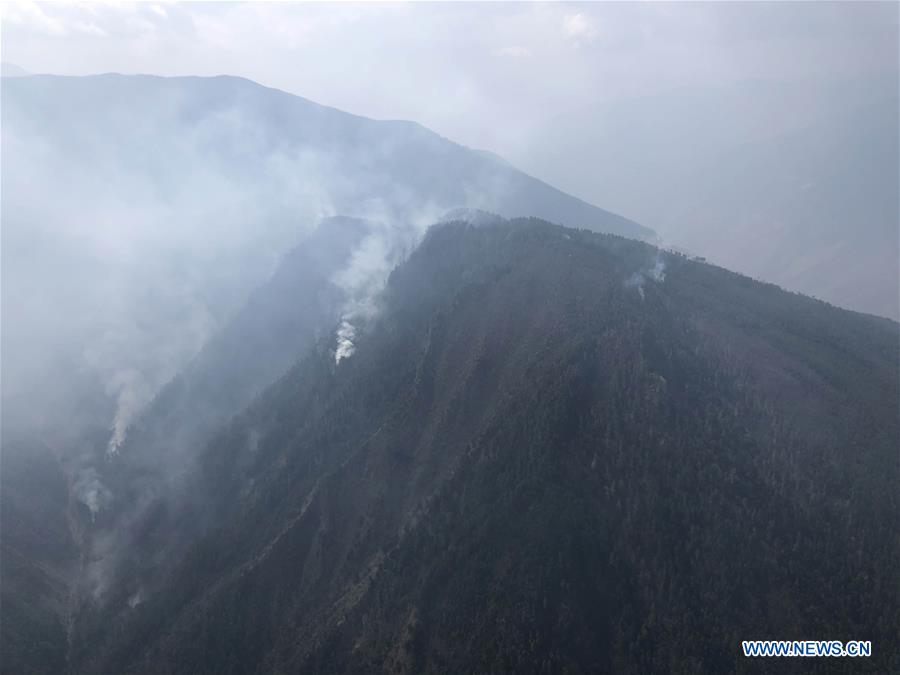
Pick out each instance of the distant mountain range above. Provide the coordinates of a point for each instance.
(249, 131)
(795, 183)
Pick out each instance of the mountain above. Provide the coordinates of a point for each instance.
(173, 198)
(298, 305)
(784, 181)
(143, 479)
(234, 440)
(815, 210)
(58, 492)
(39, 556)
(251, 132)
(139, 214)
(551, 451)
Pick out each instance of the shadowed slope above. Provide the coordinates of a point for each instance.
(542, 457)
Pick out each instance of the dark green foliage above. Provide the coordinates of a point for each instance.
(38, 556)
(530, 466)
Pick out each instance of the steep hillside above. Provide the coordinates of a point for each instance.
(299, 304)
(553, 451)
(39, 558)
(62, 496)
(173, 198)
(141, 484)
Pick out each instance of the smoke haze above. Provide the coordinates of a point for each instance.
(209, 208)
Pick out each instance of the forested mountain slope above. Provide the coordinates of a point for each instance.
(174, 198)
(171, 200)
(552, 451)
(135, 522)
(39, 558)
(298, 305)
(70, 515)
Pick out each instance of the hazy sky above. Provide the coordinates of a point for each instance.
(495, 76)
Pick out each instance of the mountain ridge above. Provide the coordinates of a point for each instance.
(604, 219)
(519, 417)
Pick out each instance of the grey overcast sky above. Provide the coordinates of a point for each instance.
(496, 76)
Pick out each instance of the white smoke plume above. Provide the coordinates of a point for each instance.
(656, 273)
(390, 240)
(345, 347)
(147, 258)
(362, 281)
(136, 599)
(88, 489)
(132, 393)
